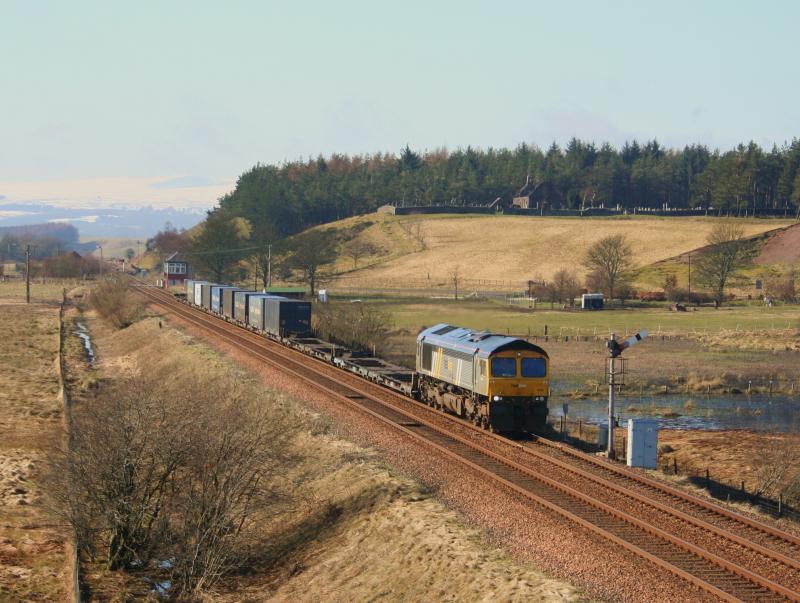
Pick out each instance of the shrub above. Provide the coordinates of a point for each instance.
(356, 325)
(178, 463)
(113, 301)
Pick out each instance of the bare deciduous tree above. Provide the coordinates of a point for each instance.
(356, 250)
(777, 468)
(310, 252)
(725, 255)
(564, 287)
(455, 278)
(608, 260)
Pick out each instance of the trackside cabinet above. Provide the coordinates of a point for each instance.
(642, 443)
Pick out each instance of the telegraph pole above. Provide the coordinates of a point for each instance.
(28, 274)
(269, 266)
(100, 247)
(690, 271)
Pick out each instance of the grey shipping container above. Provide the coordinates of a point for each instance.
(216, 297)
(285, 317)
(255, 310)
(240, 305)
(228, 306)
(206, 295)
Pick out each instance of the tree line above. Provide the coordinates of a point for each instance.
(742, 181)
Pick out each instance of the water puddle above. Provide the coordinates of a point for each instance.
(83, 333)
(757, 412)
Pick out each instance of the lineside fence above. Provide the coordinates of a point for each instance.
(64, 396)
(584, 435)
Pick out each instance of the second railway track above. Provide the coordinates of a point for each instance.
(751, 560)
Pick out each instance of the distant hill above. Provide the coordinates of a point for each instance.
(66, 233)
(505, 251)
(139, 223)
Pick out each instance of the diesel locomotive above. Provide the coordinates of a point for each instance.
(497, 382)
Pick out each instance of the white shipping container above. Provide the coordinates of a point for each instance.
(642, 443)
(198, 292)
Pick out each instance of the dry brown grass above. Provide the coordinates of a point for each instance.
(774, 340)
(352, 530)
(32, 556)
(514, 248)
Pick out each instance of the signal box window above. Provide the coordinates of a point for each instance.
(534, 367)
(504, 367)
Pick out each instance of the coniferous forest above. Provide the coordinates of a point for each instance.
(746, 180)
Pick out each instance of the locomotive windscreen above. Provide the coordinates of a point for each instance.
(534, 367)
(504, 367)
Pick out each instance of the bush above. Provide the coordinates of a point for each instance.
(176, 464)
(113, 301)
(693, 297)
(356, 325)
(652, 296)
(782, 289)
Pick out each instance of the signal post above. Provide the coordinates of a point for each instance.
(616, 376)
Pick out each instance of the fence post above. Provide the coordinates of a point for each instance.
(675, 465)
(708, 480)
(780, 504)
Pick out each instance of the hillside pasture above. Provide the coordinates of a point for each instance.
(506, 251)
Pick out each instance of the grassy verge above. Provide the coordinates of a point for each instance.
(32, 554)
(349, 528)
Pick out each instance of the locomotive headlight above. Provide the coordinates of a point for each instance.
(497, 398)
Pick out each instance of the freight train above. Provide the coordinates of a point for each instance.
(497, 382)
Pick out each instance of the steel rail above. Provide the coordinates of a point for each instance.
(750, 576)
(603, 464)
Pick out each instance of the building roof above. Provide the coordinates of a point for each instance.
(177, 257)
(472, 342)
(286, 289)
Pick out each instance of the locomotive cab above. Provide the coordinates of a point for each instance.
(498, 382)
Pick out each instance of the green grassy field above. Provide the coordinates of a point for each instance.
(412, 314)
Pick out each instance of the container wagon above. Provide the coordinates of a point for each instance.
(284, 317)
(216, 297)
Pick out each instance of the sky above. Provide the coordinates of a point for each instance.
(166, 103)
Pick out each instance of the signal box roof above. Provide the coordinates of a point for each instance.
(472, 342)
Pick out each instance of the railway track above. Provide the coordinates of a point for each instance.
(728, 555)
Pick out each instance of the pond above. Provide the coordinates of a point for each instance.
(757, 412)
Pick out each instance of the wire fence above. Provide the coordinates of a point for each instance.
(585, 435)
(64, 395)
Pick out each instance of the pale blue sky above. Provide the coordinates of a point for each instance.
(168, 102)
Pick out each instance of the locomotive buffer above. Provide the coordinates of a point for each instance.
(616, 376)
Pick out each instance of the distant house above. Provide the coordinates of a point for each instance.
(176, 271)
(524, 197)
